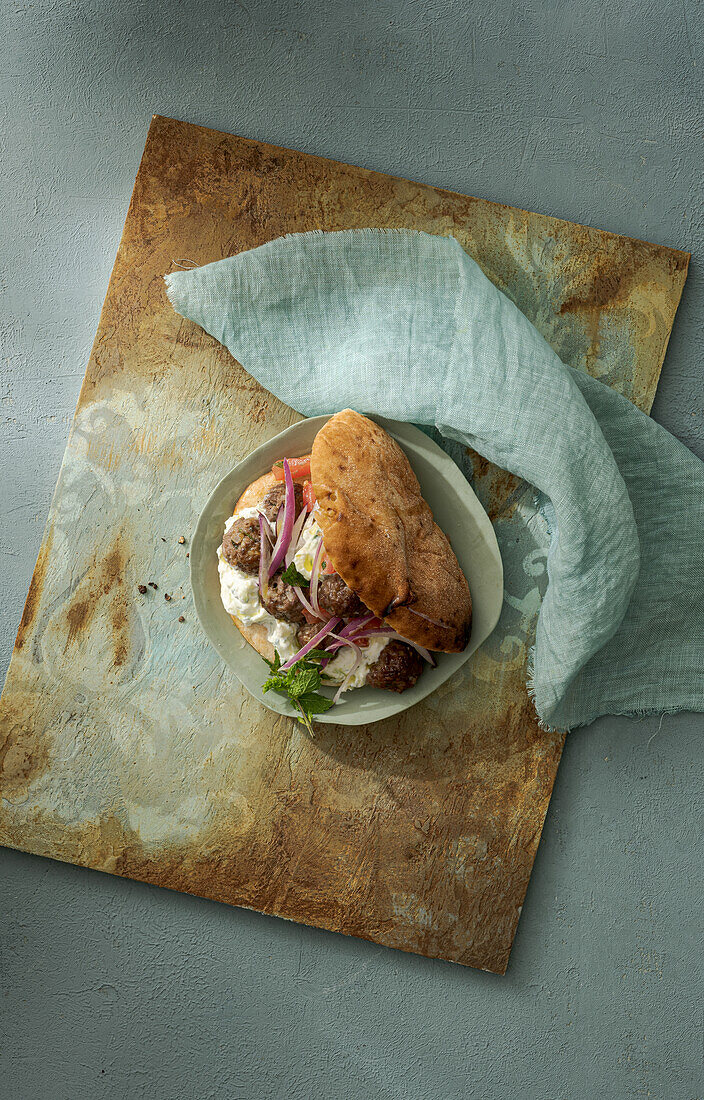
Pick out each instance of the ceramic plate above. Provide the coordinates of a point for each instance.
(457, 512)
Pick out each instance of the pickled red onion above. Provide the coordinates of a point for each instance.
(304, 601)
(295, 537)
(282, 543)
(425, 653)
(356, 624)
(315, 571)
(311, 644)
(357, 661)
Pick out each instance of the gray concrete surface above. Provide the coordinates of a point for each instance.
(110, 989)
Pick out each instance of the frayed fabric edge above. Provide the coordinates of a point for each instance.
(530, 688)
(362, 231)
(638, 713)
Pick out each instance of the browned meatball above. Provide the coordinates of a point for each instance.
(275, 498)
(397, 667)
(240, 546)
(282, 602)
(308, 631)
(337, 599)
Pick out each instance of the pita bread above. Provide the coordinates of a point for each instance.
(381, 537)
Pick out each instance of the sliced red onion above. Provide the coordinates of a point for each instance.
(279, 521)
(267, 526)
(312, 643)
(282, 542)
(264, 556)
(356, 624)
(359, 639)
(357, 661)
(354, 631)
(310, 520)
(295, 537)
(375, 631)
(309, 608)
(425, 653)
(314, 578)
(346, 682)
(339, 641)
(382, 632)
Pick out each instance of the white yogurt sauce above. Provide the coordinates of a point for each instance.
(342, 664)
(239, 592)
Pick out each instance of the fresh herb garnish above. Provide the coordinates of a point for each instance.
(292, 576)
(300, 684)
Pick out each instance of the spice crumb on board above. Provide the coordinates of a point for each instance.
(181, 619)
(142, 588)
(153, 585)
(181, 539)
(167, 596)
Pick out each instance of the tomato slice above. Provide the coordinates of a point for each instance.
(312, 619)
(328, 568)
(308, 496)
(373, 624)
(300, 467)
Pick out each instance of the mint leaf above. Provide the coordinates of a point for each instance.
(279, 688)
(299, 684)
(317, 655)
(274, 665)
(306, 680)
(291, 575)
(314, 703)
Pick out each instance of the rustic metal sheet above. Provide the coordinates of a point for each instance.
(124, 743)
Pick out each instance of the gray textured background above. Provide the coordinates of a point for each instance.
(587, 110)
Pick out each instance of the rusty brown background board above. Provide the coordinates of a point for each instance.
(126, 746)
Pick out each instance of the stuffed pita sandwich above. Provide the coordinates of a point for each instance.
(334, 570)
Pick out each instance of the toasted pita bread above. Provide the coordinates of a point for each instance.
(380, 535)
(255, 634)
(254, 494)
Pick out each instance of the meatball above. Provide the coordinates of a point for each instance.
(337, 599)
(397, 667)
(307, 632)
(282, 602)
(275, 498)
(240, 546)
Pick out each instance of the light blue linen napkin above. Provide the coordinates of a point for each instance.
(406, 324)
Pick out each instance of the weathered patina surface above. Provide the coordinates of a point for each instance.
(124, 743)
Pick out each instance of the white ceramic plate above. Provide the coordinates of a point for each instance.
(457, 512)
